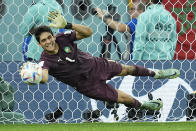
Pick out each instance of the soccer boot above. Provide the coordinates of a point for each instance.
(152, 105)
(167, 73)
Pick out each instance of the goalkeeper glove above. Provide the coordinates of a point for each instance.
(58, 20)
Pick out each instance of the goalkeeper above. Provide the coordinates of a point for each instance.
(87, 74)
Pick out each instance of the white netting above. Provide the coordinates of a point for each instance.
(35, 101)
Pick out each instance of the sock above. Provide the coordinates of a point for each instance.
(135, 104)
(141, 71)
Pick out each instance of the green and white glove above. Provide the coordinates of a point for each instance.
(57, 19)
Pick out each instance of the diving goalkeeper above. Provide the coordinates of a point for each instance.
(87, 74)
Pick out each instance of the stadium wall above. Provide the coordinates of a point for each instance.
(36, 101)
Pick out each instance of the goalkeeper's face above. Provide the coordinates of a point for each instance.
(47, 41)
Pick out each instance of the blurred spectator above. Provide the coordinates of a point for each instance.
(184, 12)
(156, 36)
(35, 16)
(136, 9)
(7, 113)
(2, 8)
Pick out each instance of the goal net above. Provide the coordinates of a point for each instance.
(33, 104)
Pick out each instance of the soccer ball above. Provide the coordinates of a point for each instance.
(31, 73)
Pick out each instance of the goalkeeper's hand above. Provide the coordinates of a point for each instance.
(21, 67)
(57, 19)
(31, 73)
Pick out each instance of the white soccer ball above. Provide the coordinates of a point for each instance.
(31, 73)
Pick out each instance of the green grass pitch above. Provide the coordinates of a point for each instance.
(137, 126)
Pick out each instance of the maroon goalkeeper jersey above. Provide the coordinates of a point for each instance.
(81, 70)
(70, 64)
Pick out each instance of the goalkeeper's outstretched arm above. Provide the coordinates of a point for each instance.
(44, 76)
(58, 21)
(33, 73)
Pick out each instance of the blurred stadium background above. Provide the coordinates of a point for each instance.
(34, 102)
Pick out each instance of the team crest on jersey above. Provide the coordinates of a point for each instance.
(67, 49)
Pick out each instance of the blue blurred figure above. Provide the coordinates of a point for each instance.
(136, 9)
(36, 16)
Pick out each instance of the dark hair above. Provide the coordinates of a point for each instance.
(39, 30)
(141, 6)
(157, 1)
(61, 3)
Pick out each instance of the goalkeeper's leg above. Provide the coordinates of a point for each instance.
(129, 101)
(135, 70)
(99, 90)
